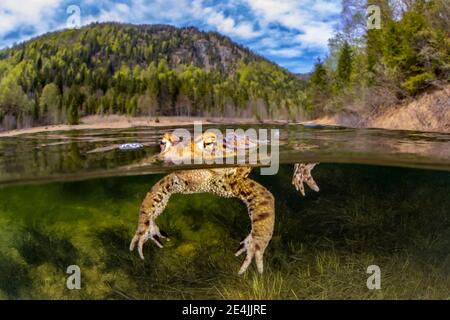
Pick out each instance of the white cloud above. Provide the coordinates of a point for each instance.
(228, 25)
(285, 12)
(35, 13)
(309, 18)
(315, 35)
(286, 52)
(327, 7)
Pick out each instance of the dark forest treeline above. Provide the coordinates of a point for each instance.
(370, 68)
(139, 70)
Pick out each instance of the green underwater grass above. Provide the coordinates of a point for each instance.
(398, 219)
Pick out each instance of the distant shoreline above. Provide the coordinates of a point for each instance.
(429, 112)
(122, 122)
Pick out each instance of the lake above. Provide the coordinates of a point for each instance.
(72, 198)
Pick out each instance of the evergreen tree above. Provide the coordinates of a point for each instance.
(319, 75)
(344, 65)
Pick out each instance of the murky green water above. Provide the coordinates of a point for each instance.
(72, 198)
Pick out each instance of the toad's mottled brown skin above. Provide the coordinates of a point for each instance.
(224, 182)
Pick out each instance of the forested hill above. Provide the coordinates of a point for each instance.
(369, 71)
(139, 70)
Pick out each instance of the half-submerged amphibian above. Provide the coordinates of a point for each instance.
(229, 182)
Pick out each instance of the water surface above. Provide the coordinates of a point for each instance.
(81, 154)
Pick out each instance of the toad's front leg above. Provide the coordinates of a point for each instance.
(153, 205)
(302, 173)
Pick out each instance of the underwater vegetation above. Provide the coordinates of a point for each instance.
(396, 218)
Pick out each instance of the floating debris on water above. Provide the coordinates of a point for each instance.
(130, 146)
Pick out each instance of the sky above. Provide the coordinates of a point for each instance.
(292, 33)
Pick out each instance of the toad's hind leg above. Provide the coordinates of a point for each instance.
(261, 208)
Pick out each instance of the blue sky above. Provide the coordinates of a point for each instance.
(292, 33)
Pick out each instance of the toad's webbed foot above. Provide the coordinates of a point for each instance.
(141, 237)
(302, 173)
